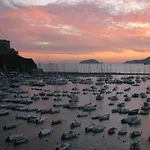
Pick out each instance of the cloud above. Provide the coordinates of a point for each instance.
(76, 26)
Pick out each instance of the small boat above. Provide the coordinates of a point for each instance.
(111, 130)
(89, 108)
(11, 138)
(121, 104)
(75, 124)
(127, 99)
(10, 126)
(90, 128)
(54, 111)
(70, 135)
(20, 140)
(134, 121)
(54, 122)
(98, 129)
(135, 134)
(135, 146)
(122, 131)
(111, 104)
(63, 146)
(104, 117)
(115, 110)
(82, 115)
(40, 120)
(135, 95)
(128, 119)
(133, 112)
(123, 111)
(95, 117)
(45, 132)
(144, 112)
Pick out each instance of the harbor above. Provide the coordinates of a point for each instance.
(75, 111)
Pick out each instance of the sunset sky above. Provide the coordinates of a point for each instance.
(111, 31)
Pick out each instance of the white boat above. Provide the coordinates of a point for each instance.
(104, 117)
(135, 133)
(63, 146)
(135, 146)
(122, 131)
(90, 128)
(20, 140)
(82, 115)
(10, 126)
(134, 121)
(75, 124)
(11, 138)
(40, 120)
(4, 112)
(69, 135)
(45, 132)
(98, 128)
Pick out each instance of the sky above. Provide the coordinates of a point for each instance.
(111, 31)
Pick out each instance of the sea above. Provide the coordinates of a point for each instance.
(85, 141)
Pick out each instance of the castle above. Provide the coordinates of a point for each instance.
(5, 48)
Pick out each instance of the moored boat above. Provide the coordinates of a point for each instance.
(75, 124)
(90, 128)
(11, 138)
(20, 140)
(69, 135)
(45, 132)
(135, 134)
(104, 117)
(111, 130)
(63, 146)
(135, 146)
(54, 122)
(122, 131)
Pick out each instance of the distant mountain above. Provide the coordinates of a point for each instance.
(90, 61)
(142, 61)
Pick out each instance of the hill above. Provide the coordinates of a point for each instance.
(90, 61)
(11, 61)
(142, 61)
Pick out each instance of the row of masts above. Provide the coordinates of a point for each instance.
(94, 68)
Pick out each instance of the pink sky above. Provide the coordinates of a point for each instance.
(111, 31)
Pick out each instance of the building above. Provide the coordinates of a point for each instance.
(5, 48)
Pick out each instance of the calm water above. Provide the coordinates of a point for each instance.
(100, 141)
(70, 67)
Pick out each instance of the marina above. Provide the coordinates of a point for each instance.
(42, 111)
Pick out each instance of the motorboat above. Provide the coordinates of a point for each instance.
(11, 138)
(134, 112)
(82, 115)
(45, 132)
(135, 134)
(75, 124)
(122, 131)
(20, 140)
(90, 128)
(112, 130)
(63, 146)
(10, 126)
(69, 135)
(135, 146)
(104, 117)
(54, 122)
(98, 128)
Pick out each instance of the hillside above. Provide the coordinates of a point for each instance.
(11, 61)
(142, 61)
(90, 61)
